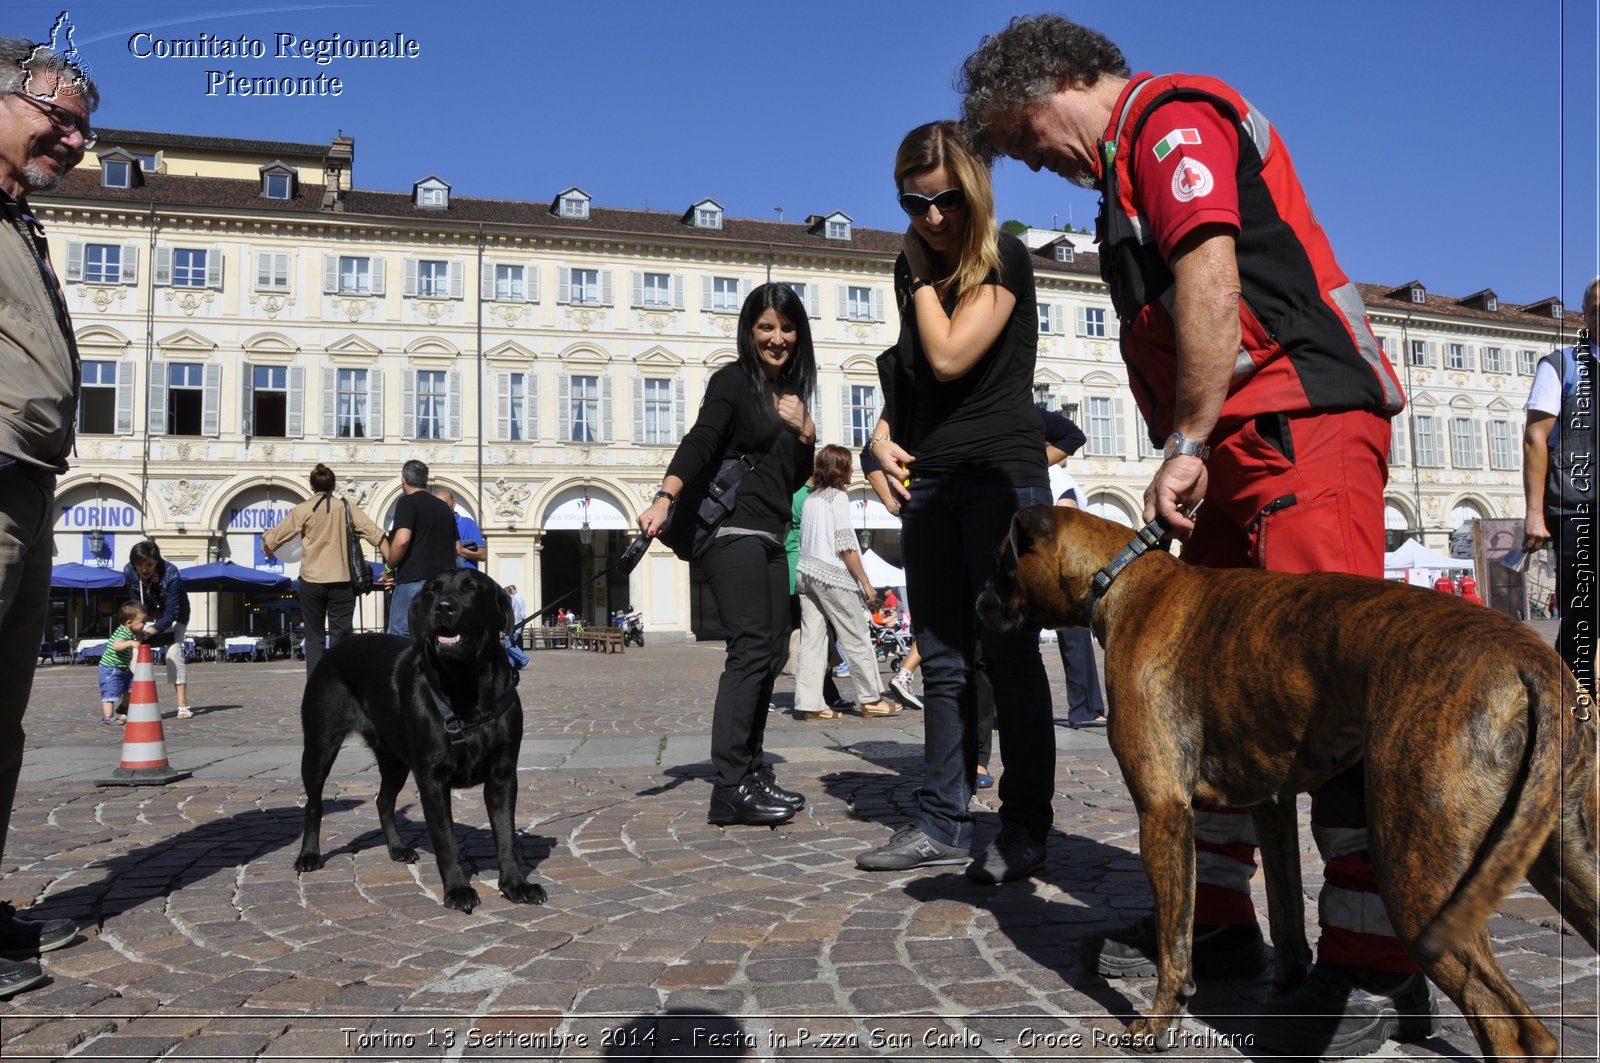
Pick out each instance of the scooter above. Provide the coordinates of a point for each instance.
(632, 625)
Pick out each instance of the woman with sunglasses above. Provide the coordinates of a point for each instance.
(962, 444)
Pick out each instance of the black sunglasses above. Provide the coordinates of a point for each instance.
(948, 200)
(64, 120)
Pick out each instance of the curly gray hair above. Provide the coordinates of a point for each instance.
(1013, 70)
(21, 59)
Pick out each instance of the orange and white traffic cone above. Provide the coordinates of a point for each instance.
(144, 743)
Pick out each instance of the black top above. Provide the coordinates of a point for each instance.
(1059, 431)
(731, 424)
(433, 536)
(984, 423)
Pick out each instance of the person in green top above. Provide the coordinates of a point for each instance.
(116, 663)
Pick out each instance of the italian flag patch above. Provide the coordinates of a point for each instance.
(1173, 139)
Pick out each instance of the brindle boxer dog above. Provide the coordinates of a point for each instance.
(443, 705)
(1243, 687)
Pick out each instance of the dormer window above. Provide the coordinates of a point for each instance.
(1556, 309)
(838, 230)
(1419, 294)
(1491, 304)
(572, 203)
(119, 169)
(430, 193)
(706, 214)
(149, 161)
(1063, 252)
(835, 226)
(277, 181)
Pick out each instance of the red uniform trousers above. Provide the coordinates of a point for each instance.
(1300, 493)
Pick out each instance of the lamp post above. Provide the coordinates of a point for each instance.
(97, 542)
(1041, 395)
(586, 530)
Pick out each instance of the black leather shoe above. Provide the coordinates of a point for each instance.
(769, 782)
(15, 977)
(749, 804)
(23, 939)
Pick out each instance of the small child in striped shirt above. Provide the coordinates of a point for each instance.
(116, 663)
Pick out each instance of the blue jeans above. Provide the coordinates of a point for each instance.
(952, 529)
(400, 607)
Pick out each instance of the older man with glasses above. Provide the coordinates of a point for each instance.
(45, 104)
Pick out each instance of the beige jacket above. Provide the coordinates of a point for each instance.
(39, 399)
(319, 522)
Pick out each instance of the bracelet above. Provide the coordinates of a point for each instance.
(875, 440)
(668, 495)
(917, 282)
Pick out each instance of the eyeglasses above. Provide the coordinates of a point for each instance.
(948, 200)
(64, 120)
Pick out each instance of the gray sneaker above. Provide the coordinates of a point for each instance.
(1012, 855)
(902, 686)
(910, 848)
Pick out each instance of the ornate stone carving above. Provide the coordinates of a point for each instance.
(584, 316)
(269, 451)
(271, 305)
(102, 295)
(656, 322)
(507, 499)
(353, 307)
(186, 452)
(431, 310)
(351, 454)
(183, 497)
(189, 301)
(725, 323)
(509, 313)
(357, 492)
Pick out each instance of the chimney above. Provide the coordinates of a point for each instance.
(337, 167)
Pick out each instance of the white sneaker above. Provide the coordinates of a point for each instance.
(184, 713)
(901, 684)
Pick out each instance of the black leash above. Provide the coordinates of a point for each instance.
(626, 562)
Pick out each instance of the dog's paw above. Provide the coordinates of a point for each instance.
(522, 892)
(404, 856)
(308, 862)
(1151, 1035)
(462, 899)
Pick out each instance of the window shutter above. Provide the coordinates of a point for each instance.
(1119, 428)
(1397, 443)
(330, 273)
(264, 275)
(530, 404)
(846, 421)
(211, 409)
(814, 407)
(1433, 354)
(74, 260)
(130, 263)
(747, 284)
(843, 292)
(605, 287)
(563, 284)
(282, 263)
(1113, 325)
(606, 434)
(638, 287)
(678, 405)
(458, 282)
(638, 410)
(124, 426)
(705, 292)
(564, 407)
(330, 398)
(454, 401)
(502, 405)
(486, 282)
(1080, 315)
(877, 304)
(411, 276)
(156, 416)
(214, 267)
(163, 275)
(408, 404)
(530, 281)
(297, 402)
(375, 403)
(814, 299)
(677, 291)
(379, 269)
(247, 406)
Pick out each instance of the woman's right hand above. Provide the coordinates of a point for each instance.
(651, 520)
(896, 462)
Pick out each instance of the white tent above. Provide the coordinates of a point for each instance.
(881, 573)
(1416, 564)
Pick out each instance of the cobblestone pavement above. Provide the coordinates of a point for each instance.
(663, 937)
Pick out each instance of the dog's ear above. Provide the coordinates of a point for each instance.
(1028, 526)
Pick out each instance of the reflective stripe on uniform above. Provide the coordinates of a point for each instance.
(1338, 841)
(1218, 869)
(1231, 827)
(1363, 913)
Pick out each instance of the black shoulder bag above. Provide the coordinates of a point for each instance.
(360, 571)
(704, 503)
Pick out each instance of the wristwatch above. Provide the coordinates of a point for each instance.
(1180, 446)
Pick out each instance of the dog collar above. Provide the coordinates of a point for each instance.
(452, 723)
(1151, 535)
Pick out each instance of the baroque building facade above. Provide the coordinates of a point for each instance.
(244, 311)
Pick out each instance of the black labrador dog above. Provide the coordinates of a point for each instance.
(443, 705)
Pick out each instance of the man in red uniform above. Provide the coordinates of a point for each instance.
(1444, 583)
(1250, 355)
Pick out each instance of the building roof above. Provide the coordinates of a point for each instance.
(145, 139)
(1378, 297)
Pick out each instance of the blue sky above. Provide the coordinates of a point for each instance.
(1430, 136)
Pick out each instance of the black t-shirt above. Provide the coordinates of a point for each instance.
(731, 424)
(984, 423)
(433, 536)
